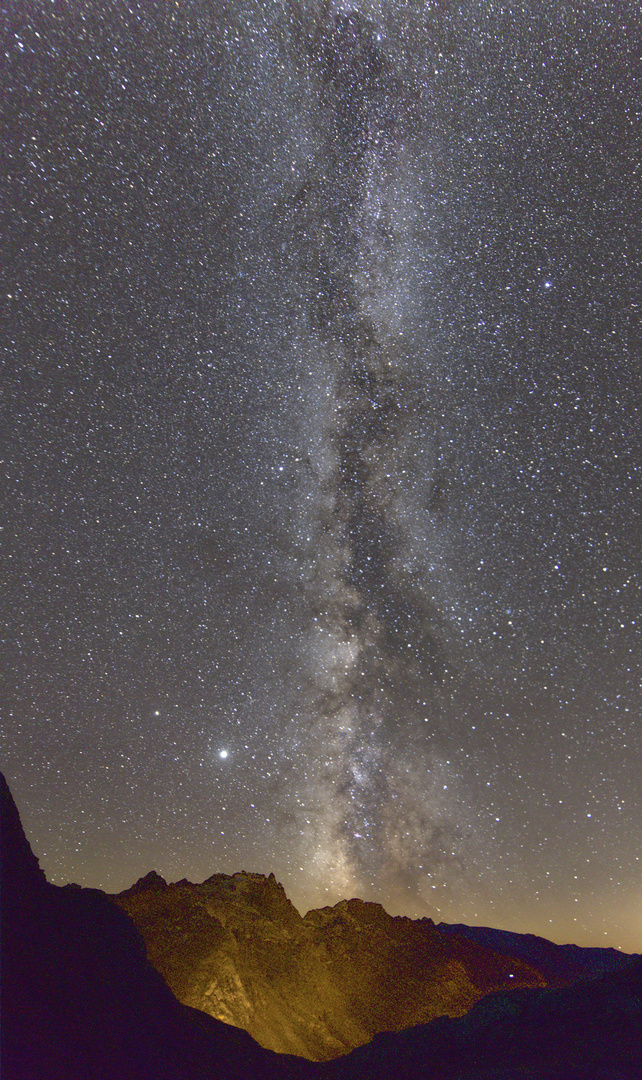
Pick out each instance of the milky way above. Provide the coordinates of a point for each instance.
(375, 648)
(322, 452)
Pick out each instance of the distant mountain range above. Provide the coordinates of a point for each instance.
(81, 1000)
(560, 965)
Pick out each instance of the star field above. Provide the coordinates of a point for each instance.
(321, 408)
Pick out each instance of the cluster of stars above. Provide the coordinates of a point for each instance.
(322, 459)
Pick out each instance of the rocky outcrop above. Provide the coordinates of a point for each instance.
(317, 986)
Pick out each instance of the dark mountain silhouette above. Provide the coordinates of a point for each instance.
(561, 965)
(592, 1031)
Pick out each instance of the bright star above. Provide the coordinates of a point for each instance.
(223, 753)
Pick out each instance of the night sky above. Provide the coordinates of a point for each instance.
(321, 450)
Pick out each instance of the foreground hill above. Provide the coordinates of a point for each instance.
(317, 986)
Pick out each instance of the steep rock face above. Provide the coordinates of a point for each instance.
(316, 986)
(80, 1000)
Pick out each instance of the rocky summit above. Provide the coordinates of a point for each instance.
(319, 985)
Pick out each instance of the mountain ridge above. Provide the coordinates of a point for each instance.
(321, 984)
(562, 964)
(81, 1002)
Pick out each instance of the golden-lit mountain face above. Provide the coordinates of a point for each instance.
(80, 1000)
(316, 986)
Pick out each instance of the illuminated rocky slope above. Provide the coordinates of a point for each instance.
(317, 986)
(81, 1002)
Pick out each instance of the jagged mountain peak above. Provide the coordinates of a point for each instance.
(318, 986)
(152, 880)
